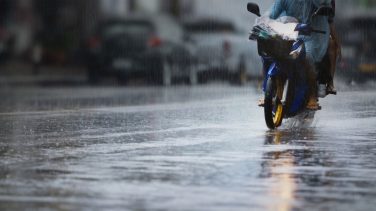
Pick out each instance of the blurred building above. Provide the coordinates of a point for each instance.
(351, 7)
(123, 7)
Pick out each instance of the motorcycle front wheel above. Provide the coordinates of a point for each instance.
(274, 110)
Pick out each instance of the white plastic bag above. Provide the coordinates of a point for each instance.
(283, 27)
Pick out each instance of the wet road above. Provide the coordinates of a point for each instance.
(203, 148)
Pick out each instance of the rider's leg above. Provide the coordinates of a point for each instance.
(332, 51)
(335, 53)
(312, 57)
(324, 75)
(312, 83)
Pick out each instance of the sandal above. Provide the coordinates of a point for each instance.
(331, 90)
(261, 102)
(313, 105)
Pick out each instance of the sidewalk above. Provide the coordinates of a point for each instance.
(21, 74)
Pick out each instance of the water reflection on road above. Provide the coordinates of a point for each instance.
(203, 148)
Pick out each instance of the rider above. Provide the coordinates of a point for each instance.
(328, 65)
(316, 46)
(334, 51)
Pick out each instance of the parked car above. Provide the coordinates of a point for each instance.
(223, 50)
(358, 47)
(151, 47)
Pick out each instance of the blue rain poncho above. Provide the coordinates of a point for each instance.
(302, 10)
(317, 45)
(299, 9)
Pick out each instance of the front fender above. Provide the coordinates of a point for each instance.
(271, 72)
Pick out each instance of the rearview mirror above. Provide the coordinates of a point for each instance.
(324, 11)
(254, 8)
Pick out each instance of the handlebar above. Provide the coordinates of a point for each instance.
(306, 29)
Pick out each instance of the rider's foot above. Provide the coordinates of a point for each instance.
(322, 90)
(261, 102)
(313, 105)
(331, 90)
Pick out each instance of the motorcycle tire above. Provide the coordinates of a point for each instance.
(273, 109)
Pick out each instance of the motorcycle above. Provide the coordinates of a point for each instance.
(283, 55)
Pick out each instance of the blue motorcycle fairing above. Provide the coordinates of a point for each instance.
(300, 43)
(299, 99)
(271, 69)
(301, 86)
